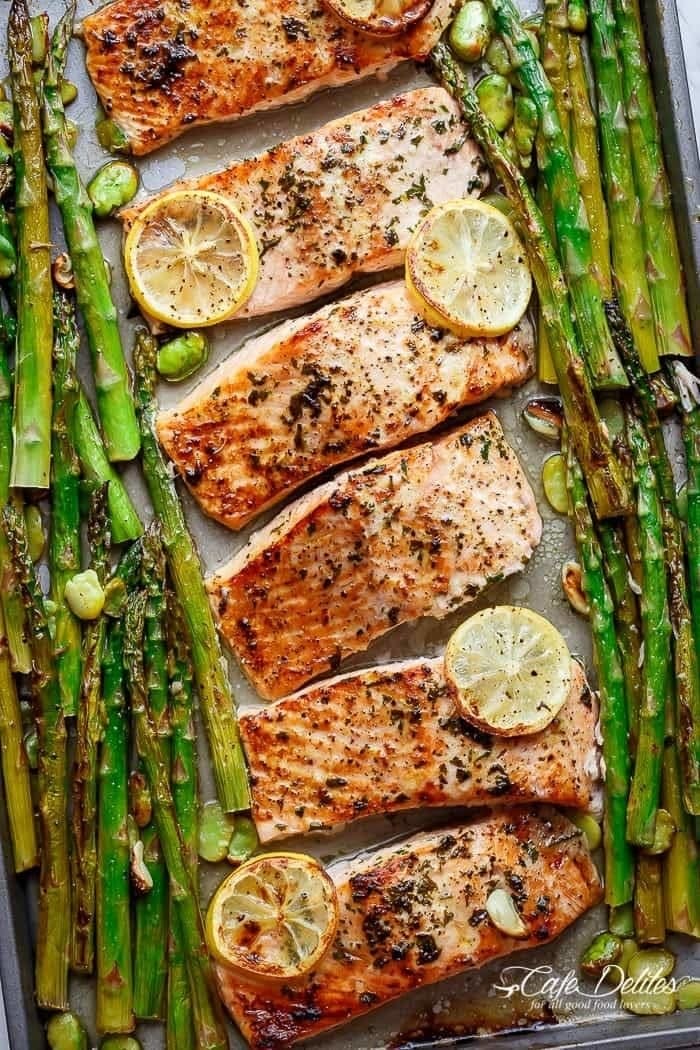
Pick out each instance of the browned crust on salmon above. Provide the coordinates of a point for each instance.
(163, 66)
(392, 738)
(419, 532)
(415, 913)
(355, 377)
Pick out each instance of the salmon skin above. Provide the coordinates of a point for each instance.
(355, 377)
(415, 913)
(163, 66)
(419, 532)
(392, 738)
(344, 199)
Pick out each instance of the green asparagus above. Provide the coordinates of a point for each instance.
(114, 1006)
(152, 919)
(688, 388)
(31, 458)
(183, 781)
(628, 253)
(606, 483)
(210, 1033)
(584, 146)
(617, 571)
(88, 737)
(663, 264)
(555, 58)
(687, 678)
(619, 858)
(656, 640)
(208, 661)
(64, 549)
(124, 521)
(114, 401)
(649, 914)
(570, 219)
(53, 933)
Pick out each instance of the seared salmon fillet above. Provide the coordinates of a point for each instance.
(359, 375)
(162, 66)
(418, 532)
(392, 738)
(415, 912)
(344, 199)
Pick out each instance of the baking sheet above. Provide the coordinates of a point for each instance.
(439, 1013)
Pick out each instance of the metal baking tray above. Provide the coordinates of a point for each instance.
(446, 1014)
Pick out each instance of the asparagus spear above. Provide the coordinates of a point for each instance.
(88, 736)
(10, 598)
(15, 768)
(555, 58)
(114, 1006)
(570, 219)
(619, 858)
(687, 678)
(688, 388)
(681, 865)
(617, 572)
(629, 260)
(208, 661)
(584, 146)
(183, 784)
(656, 640)
(151, 925)
(64, 548)
(31, 458)
(605, 479)
(115, 404)
(664, 269)
(649, 914)
(124, 521)
(53, 934)
(210, 1032)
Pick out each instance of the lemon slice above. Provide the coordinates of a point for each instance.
(467, 270)
(191, 258)
(380, 17)
(511, 669)
(274, 917)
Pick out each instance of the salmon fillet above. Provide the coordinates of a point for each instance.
(418, 532)
(356, 376)
(391, 738)
(163, 66)
(344, 199)
(415, 913)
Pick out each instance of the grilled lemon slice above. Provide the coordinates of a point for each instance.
(380, 17)
(274, 917)
(511, 669)
(191, 259)
(467, 270)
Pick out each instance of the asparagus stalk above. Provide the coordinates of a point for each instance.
(89, 731)
(628, 253)
(183, 784)
(570, 219)
(617, 571)
(114, 996)
(208, 660)
(619, 858)
(53, 933)
(664, 269)
(649, 914)
(687, 677)
(152, 913)
(114, 401)
(210, 1032)
(16, 629)
(555, 59)
(124, 521)
(31, 458)
(64, 547)
(688, 388)
(584, 146)
(607, 485)
(15, 768)
(656, 640)
(545, 366)
(681, 864)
